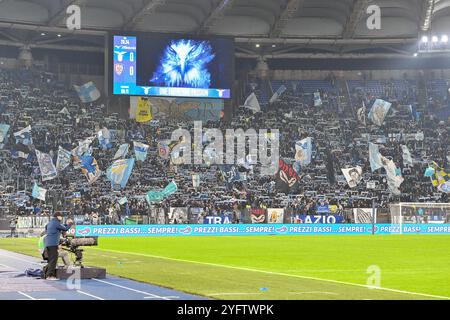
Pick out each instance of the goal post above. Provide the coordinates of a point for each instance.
(418, 213)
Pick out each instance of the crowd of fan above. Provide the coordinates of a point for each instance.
(340, 140)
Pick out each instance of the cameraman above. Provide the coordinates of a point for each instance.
(52, 240)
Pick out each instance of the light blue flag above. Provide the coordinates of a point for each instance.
(374, 157)
(4, 128)
(278, 93)
(104, 138)
(429, 172)
(140, 150)
(87, 92)
(38, 192)
(380, 109)
(158, 196)
(123, 200)
(24, 136)
(122, 152)
(120, 172)
(303, 151)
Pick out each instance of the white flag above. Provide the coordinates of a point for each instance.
(379, 111)
(407, 159)
(353, 176)
(252, 103)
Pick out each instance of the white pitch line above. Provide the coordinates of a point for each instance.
(279, 274)
(90, 295)
(233, 294)
(131, 289)
(24, 260)
(24, 294)
(318, 292)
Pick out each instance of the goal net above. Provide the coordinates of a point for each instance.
(418, 213)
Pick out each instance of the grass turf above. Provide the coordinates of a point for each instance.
(274, 267)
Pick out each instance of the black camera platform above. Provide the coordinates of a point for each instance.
(81, 272)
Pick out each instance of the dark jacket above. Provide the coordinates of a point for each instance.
(53, 230)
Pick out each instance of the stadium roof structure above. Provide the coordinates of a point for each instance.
(274, 28)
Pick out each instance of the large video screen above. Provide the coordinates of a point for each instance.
(172, 66)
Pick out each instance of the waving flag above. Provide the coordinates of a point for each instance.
(21, 151)
(252, 103)
(158, 196)
(24, 136)
(230, 174)
(393, 179)
(286, 178)
(277, 94)
(195, 180)
(164, 149)
(38, 192)
(429, 172)
(441, 178)
(48, 170)
(361, 114)
(87, 92)
(374, 157)
(123, 200)
(104, 138)
(90, 168)
(140, 150)
(65, 112)
(143, 110)
(414, 114)
(4, 128)
(317, 99)
(83, 147)
(353, 176)
(303, 151)
(407, 159)
(122, 152)
(120, 172)
(379, 110)
(63, 159)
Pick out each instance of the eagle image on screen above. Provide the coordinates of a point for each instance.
(184, 63)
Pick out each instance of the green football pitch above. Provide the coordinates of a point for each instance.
(278, 267)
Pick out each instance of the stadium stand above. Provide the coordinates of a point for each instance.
(339, 141)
